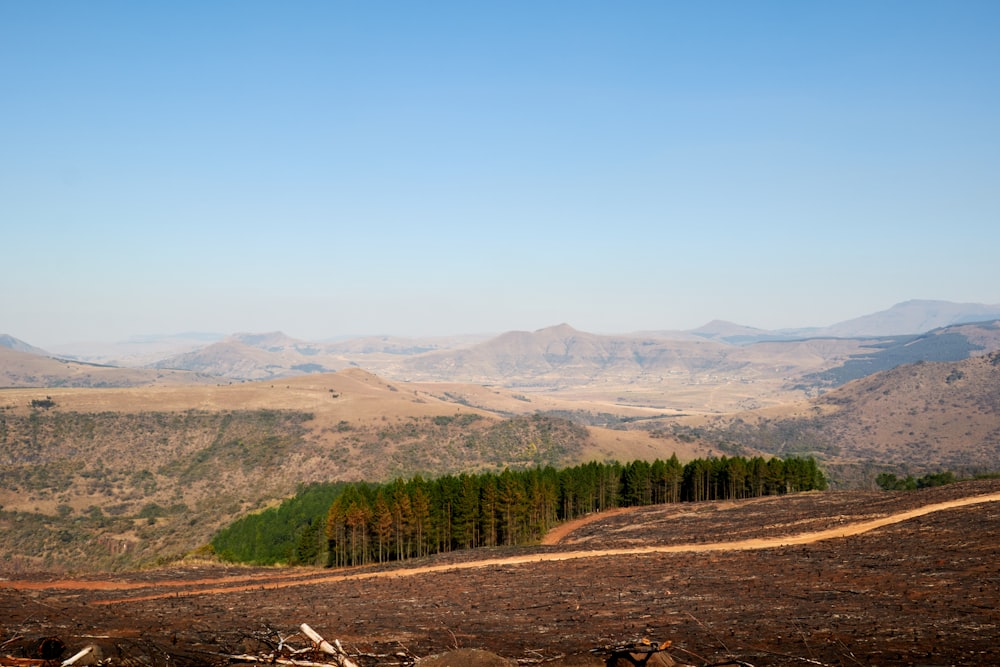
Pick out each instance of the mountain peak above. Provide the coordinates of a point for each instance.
(914, 316)
(725, 327)
(18, 345)
(558, 329)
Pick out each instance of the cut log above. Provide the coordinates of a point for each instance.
(71, 660)
(337, 652)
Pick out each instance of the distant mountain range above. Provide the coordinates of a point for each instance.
(26, 369)
(561, 356)
(907, 318)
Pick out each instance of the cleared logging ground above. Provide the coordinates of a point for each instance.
(923, 591)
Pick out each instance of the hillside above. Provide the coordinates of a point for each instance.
(700, 375)
(911, 318)
(922, 416)
(952, 343)
(255, 357)
(135, 351)
(9, 342)
(115, 477)
(913, 419)
(28, 369)
(737, 334)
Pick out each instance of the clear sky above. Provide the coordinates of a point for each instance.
(425, 168)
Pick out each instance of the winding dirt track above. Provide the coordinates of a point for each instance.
(276, 580)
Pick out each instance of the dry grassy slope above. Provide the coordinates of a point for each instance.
(23, 369)
(233, 358)
(397, 346)
(916, 418)
(562, 352)
(561, 358)
(166, 466)
(357, 397)
(647, 371)
(927, 415)
(9, 342)
(690, 375)
(985, 334)
(794, 358)
(272, 355)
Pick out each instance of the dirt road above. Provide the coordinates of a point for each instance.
(285, 579)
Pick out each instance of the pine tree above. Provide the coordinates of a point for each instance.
(382, 524)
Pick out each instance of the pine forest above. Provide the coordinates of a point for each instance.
(362, 523)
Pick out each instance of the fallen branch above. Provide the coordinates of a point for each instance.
(336, 651)
(269, 659)
(83, 652)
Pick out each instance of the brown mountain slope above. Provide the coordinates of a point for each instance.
(913, 419)
(11, 343)
(24, 369)
(924, 416)
(562, 353)
(136, 351)
(693, 374)
(256, 357)
(699, 375)
(274, 355)
(917, 315)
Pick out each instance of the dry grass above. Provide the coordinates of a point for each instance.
(115, 477)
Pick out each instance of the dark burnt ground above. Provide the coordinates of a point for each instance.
(697, 523)
(925, 591)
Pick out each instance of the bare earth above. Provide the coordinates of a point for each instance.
(823, 578)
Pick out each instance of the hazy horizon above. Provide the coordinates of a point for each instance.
(67, 345)
(330, 169)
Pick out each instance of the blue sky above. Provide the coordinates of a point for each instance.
(434, 168)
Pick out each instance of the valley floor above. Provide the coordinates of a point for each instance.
(920, 588)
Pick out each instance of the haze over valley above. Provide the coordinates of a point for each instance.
(717, 367)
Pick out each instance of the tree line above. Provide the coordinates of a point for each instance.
(374, 523)
(889, 482)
